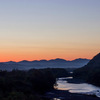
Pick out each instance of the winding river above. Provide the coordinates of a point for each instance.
(83, 88)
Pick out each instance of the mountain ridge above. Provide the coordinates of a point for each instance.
(38, 64)
(56, 59)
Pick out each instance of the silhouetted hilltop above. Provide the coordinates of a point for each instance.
(80, 60)
(58, 60)
(90, 72)
(95, 62)
(10, 62)
(23, 61)
(43, 60)
(52, 60)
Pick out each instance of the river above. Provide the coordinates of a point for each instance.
(75, 87)
(67, 88)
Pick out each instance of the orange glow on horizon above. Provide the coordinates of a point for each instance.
(30, 54)
(31, 57)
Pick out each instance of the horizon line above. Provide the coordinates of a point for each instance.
(42, 59)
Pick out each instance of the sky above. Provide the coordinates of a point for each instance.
(48, 29)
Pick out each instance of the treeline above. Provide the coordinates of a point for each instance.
(58, 72)
(27, 85)
(91, 72)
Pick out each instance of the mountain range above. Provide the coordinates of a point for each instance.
(53, 63)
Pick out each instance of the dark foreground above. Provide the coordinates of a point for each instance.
(65, 95)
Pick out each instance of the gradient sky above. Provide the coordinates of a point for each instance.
(45, 29)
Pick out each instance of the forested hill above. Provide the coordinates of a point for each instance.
(90, 72)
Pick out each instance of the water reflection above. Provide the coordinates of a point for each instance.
(62, 84)
(55, 99)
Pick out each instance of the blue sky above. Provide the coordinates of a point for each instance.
(68, 28)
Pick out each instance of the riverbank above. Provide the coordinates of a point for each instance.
(61, 92)
(65, 95)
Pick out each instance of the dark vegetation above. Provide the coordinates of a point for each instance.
(58, 72)
(91, 72)
(28, 85)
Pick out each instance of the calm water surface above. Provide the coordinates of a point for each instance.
(82, 88)
(73, 87)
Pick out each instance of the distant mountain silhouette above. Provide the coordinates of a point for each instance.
(57, 60)
(10, 62)
(91, 71)
(23, 61)
(80, 60)
(53, 63)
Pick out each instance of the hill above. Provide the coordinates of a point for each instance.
(90, 72)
